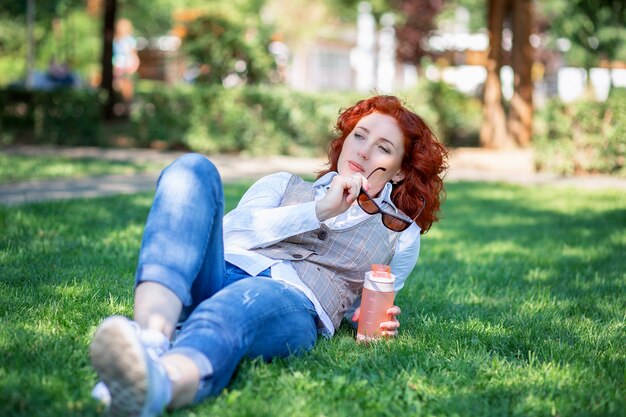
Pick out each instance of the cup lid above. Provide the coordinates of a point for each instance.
(381, 270)
(383, 283)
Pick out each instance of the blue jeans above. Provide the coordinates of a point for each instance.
(228, 314)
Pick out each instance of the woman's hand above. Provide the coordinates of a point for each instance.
(343, 191)
(388, 328)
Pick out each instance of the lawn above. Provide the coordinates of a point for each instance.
(15, 168)
(516, 307)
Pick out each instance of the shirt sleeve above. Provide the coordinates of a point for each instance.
(407, 252)
(259, 220)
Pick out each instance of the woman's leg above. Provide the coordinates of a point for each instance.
(250, 318)
(181, 261)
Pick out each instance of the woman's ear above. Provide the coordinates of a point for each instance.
(399, 176)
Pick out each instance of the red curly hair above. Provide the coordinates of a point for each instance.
(424, 159)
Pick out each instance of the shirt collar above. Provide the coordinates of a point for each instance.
(385, 194)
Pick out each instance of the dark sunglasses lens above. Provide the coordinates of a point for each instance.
(395, 223)
(367, 204)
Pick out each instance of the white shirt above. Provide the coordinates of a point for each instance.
(259, 221)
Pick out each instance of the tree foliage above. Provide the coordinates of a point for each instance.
(418, 21)
(46, 11)
(415, 20)
(223, 44)
(475, 8)
(156, 17)
(595, 29)
(62, 31)
(149, 18)
(347, 10)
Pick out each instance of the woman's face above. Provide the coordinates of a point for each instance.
(376, 141)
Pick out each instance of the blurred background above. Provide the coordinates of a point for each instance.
(269, 76)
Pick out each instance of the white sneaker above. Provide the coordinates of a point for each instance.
(155, 343)
(101, 393)
(137, 382)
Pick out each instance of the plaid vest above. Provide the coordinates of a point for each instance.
(333, 263)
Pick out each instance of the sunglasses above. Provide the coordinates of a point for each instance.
(392, 221)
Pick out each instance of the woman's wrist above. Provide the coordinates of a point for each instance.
(321, 211)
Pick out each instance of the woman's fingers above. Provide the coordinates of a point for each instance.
(394, 311)
(353, 187)
(342, 193)
(390, 328)
(390, 325)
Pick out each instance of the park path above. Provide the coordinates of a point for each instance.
(512, 166)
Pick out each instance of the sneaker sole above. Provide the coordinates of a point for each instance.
(118, 357)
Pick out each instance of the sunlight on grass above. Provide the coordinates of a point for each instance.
(15, 168)
(516, 307)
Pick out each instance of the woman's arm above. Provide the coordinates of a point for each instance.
(259, 220)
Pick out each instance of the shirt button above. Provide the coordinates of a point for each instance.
(322, 235)
(297, 256)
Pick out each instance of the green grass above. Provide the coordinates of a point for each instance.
(517, 307)
(15, 168)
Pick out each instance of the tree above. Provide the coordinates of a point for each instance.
(520, 120)
(475, 8)
(46, 10)
(493, 132)
(108, 32)
(499, 130)
(417, 22)
(300, 20)
(346, 10)
(594, 29)
(23, 26)
(223, 44)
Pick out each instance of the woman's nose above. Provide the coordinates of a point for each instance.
(363, 153)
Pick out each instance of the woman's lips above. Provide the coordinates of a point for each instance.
(355, 167)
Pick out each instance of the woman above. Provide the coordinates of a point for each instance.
(283, 266)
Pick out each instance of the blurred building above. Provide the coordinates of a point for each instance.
(323, 63)
(352, 57)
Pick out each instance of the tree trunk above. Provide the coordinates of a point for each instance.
(108, 31)
(30, 42)
(493, 132)
(520, 121)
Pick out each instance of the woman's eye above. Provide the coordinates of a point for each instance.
(358, 136)
(384, 149)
